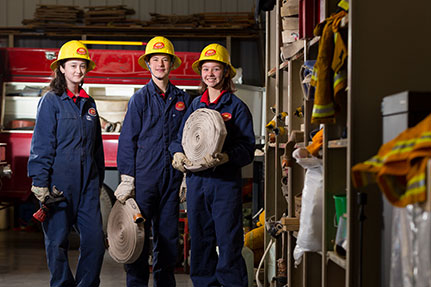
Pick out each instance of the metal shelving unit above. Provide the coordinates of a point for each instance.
(377, 67)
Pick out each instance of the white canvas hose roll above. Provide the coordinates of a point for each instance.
(204, 133)
(125, 237)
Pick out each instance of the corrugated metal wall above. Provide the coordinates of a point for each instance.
(244, 52)
(12, 12)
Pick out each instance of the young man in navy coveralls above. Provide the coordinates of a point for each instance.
(152, 122)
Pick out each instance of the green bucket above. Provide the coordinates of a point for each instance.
(340, 205)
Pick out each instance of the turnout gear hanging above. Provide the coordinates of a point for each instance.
(399, 168)
(329, 71)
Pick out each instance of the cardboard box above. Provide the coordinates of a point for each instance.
(291, 49)
(289, 8)
(290, 23)
(289, 36)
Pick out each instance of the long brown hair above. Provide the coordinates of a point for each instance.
(227, 84)
(58, 83)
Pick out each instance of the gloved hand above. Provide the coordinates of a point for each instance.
(40, 192)
(179, 161)
(125, 189)
(55, 192)
(215, 159)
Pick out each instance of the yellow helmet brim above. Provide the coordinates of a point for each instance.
(142, 60)
(91, 64)
(196, 67)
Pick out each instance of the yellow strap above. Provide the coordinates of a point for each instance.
(417, 184)
(338, 78)
(403, 147)
(129, 43)
(323, 110)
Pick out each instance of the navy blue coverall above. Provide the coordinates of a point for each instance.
(150, 125)
(214, 199)
(67, 152)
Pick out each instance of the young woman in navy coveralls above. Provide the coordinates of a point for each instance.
(152, 121)
(214, 197)
(67, 153)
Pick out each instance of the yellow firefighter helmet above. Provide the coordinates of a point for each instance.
(159, 45)
(214, 52)
(73, 50)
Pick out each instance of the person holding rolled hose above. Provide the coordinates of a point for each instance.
(214, 197)
(152, 121)
(67, 155)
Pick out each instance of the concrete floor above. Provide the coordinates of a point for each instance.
(23, 263)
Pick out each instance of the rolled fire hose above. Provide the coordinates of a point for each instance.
(204, 133)
(125, 232)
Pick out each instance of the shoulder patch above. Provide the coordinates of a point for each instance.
(92, 112)
(226, 116)
(180, 106)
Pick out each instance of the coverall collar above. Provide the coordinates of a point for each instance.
(156, 90)
(206, 98)
(82, 94)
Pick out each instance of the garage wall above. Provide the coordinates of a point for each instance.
(12, 12)
(245, 53)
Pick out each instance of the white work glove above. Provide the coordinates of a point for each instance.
(216, 159)
(179, 161)
(125, 189)
(40, 192)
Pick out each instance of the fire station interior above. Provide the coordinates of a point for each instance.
(338, 193)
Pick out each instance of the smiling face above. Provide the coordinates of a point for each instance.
(160, 65)
(74, 71)
(212, 74)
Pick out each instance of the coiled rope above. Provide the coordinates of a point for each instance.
(125, 237)
(204, 133)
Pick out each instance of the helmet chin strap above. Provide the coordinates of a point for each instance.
(151, 71)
